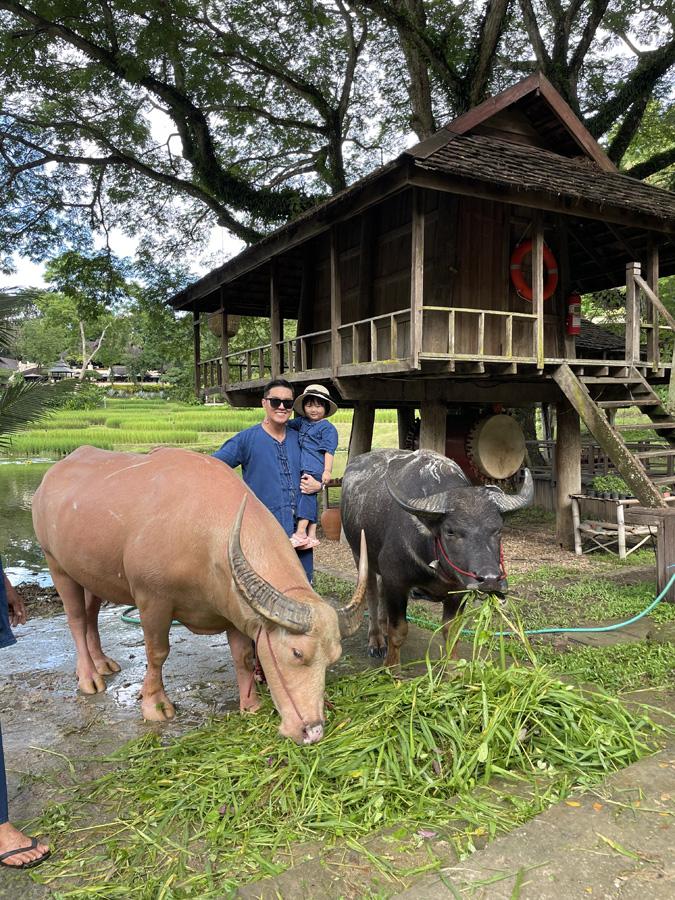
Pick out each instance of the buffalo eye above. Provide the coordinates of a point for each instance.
(297, 653)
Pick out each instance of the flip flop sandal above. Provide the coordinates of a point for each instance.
(27, 865)
(298, 542)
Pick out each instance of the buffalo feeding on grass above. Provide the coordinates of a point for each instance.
(178, 535)
(427, 528)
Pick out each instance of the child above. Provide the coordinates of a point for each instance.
(318, 443)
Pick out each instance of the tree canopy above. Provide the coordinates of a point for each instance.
(164, 118)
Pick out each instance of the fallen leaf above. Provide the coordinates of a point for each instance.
(572, 803)
(597, 807)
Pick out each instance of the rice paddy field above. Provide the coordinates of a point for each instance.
(138, 425)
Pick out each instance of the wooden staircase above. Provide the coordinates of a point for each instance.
(597, 398)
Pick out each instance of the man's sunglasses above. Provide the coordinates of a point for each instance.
(276, 402)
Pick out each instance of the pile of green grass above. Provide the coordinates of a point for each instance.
(224, 805)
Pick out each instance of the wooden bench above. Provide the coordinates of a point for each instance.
(601, 524)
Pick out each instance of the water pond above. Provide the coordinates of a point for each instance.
(21, 555)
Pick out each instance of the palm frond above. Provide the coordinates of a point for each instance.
(22, 402)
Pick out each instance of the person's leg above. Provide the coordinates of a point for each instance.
(299, 538)
(10, 837)
(4, 811)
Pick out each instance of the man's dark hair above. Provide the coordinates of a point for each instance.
(277, 382)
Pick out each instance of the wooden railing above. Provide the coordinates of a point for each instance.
(501, 338)
(368, 335)
(295, 353)
(595, 461)
(648, 324)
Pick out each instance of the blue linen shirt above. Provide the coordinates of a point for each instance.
(6, 636)
(269, 467)
(316, 439)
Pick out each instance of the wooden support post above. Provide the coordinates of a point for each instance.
(361, 439)
(567, 470)
(576, 521)
(224, 345)
(360, 337)
(538, 284)
(663, 520)
(433, 427)
(416, 276)
(632, 315)
(405, 416)
(652, 279)
(198, 351)
(275, 321)
(335, 302)
(568, 341)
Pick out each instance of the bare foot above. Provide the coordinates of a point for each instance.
(12, 839)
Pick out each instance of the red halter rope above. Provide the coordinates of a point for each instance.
(259, 675)
(439, 547)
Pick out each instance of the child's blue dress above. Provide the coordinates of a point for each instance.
(316, 439)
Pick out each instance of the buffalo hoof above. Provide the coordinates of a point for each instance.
(158, 709)
(91, 682)
(105, 665)
(377, 652)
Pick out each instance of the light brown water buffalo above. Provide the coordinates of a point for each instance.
(179, 535)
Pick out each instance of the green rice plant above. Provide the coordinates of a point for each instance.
(46, 444)
(224, 805)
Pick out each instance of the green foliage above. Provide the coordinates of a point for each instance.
(275, 104)
(612, 484)
(85, 396)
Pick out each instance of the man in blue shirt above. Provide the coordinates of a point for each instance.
(269, 456)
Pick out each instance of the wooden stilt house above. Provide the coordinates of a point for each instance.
(402, 287)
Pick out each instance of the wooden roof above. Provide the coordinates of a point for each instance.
(524, 147)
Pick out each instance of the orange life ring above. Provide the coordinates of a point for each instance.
(524, 289)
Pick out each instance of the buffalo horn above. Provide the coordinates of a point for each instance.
(511, 502)
(432, 508)
(350, 616)
(266, 600)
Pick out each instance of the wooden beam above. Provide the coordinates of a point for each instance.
(196, 332)
(569, 344)
(335, 301)
(664, 520)
(275, 321)
(433, 427)
(416, 276)
(567, 470)
(632, 315)
(630, 468)
(405, 416)
(652, 279)
(224, 344)
(538, 284)
(361, 439)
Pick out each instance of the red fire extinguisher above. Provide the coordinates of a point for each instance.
(573, 320)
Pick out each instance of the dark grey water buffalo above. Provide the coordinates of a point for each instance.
(427, 528)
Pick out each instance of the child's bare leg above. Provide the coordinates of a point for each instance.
(299, 539)
(312, 540)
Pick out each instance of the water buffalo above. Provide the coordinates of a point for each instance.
(427, 528)
(179, 535)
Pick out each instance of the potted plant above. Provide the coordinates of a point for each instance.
(610, 487)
